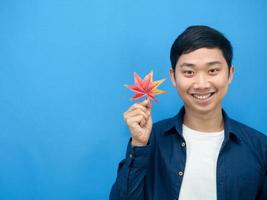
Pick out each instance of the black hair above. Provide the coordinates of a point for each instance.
(200, 36)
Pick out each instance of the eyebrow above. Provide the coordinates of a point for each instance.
(187, 65)
(193, 65)
(214, 63)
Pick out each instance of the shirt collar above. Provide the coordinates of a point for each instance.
(231, 130)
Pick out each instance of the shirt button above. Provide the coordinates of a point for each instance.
(131, 155)
(183, 144)
(180, 173)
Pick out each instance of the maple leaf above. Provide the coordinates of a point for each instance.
(146, 87)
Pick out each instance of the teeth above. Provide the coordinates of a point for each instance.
(202, 97)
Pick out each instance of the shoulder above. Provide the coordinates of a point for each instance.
(248, 133)
(251, 139)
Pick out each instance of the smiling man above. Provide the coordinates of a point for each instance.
(201, 153)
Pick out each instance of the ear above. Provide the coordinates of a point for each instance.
(231, 74)
(172, 75)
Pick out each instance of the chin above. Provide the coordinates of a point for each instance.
(202, 109)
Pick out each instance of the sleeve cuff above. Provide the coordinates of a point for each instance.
(137, 157)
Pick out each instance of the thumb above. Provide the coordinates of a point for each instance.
(146, 103)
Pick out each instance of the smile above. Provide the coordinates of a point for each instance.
(202, 96)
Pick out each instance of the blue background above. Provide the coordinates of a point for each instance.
(62, 69)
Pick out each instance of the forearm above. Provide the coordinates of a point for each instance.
(130, 181)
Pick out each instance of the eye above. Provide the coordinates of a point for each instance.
(188, 73)
(213, 71)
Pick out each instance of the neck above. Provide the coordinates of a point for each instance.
(206, 122)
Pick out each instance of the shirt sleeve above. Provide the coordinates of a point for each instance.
(263, 194)
(131, 174)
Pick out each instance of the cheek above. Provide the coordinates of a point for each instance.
(222, 83)
(183, 84)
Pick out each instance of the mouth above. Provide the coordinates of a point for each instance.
(203, 97)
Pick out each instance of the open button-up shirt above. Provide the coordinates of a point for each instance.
(155, 171)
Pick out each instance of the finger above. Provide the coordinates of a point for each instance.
(134, 121)
(149, 105)
(137, 109)
(137, 112)
(137, 129)
(143, 123)
(148, 123)
(138, 106)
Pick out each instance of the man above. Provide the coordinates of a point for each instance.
(200, 154)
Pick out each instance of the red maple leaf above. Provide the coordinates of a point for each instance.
(146, 87)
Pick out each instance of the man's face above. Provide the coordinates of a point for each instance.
(201, 79)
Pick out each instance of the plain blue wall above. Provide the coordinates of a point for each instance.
(62, 69)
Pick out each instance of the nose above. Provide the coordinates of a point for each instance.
(201, 82)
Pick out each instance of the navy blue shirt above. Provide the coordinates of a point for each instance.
(155, 171)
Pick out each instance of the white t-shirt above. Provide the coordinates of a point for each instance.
(202, 150)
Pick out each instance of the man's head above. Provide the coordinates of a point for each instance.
(196, 37)
(201, 69)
